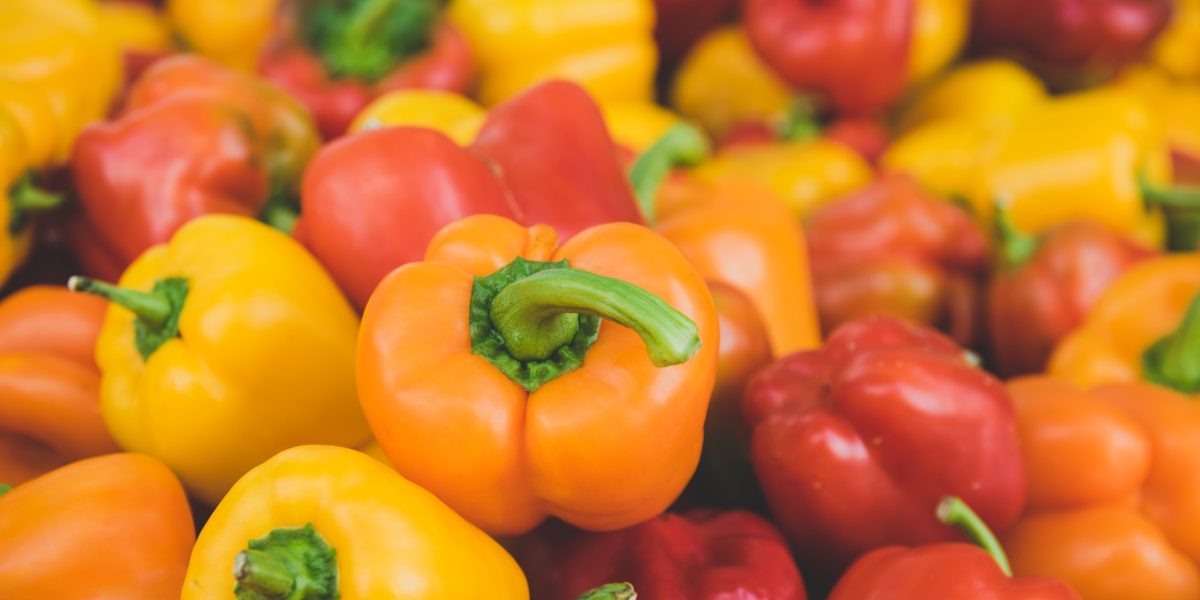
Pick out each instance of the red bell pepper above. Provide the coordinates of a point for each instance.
(1076, 41)
(892, 248)
(700, 555)
(952, 571)
(854, 442)
(336, 57)
(1048, 285)
(854, 52)
(193, 139)
(372, 201)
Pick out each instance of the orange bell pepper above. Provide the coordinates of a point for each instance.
(114, 526)
(1144, 308)
(471, 372)
(1114, 478)
(49, 383)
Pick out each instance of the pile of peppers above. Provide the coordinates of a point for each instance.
(600, 299)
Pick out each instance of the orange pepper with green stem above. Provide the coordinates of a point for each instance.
(487, 338)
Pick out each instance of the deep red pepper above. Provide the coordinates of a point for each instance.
(372, 201)
(700, 555)
(892, 248)
(680, 23)
(338, 57)
(854, 52)
(1074, 41)
(853, 443)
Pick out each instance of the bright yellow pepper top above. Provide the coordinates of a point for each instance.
(136, 26)
(637, 125)
(1178, 48)
(231, 32)
(1175, 103)
(939, 30)
(606, 46)
(374, 536)
(454, 115)
(982, 90)
(945, 155)
(263, 358)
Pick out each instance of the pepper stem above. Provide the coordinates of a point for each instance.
(287, 563)
(153, 308)
(367, 38)
(800, 123)
(1014, 246)
(528, 314)
(953, 511)
(1174, 360)
(610, 591)
(1181, 205)
(25, 199)
(681, 145)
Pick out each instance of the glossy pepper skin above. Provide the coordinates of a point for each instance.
(71, 533)
(853, 52)
(607, 46)
(698, 555)
(1068, 39)
(390, 539)
(337, 59)
(1112, 478)
(193, 139)
(1048, 284)
(49, 382)
(853, 443)
(234, 356)
(543, 157)
(520, 455)
(894, 249)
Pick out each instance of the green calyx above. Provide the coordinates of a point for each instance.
(1013, 246)
(1174, 361)
(800, 123)
(289, 563)
(681, 145)
(281, 210)
(536, 320)
(953, 511)
(610, 591)
(25, 200)
(1181, 205)
(365, 39)
(156, 312)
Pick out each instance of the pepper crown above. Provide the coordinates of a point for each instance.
(681, 145)
(365, 39)
(157, 311)
(953, 511)
(1181, 204)
(25, 199)
(289, 563)
(1174, 360)
(610, 591)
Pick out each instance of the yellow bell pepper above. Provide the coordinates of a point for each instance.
(722, 83)
(20, 198)
(239, 345)
(1175, 103)
(637, 125)
(982, 90)
(231, 32)
(136, 27)
(457, 117)
(1178, 48)
(321, 522)
(939, 30)
(606, 46)
(945, 155)
(38, 124)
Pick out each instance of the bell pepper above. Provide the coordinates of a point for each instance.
(855, 441)
(939, 28)
(372, 201)
(868, 136)
(493, 328)
(61, 50)
(1112, 482)
(637, 125)
(140, 31)
(1048, 284)
(950, 571)
(21, 198)
(699, 555)
(338, 57)
(230, 32)
(679, 24)
(115, 526)
(1176, 104)
(454, 115)
(607, 46)
(214, 361)
(1175, 48)
(1074, 42)
(203, 140)
(321, 522)
(854, 53)
(49, 382)
(982, 90)
(891, 248)
(33, 114)
(1151, 305)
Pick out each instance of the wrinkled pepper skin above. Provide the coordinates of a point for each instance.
(49, 383)
(519, 456)
(894, 249)
(1051, 291)
(853, 443)
(854, 52)
(1112, 482)
(113, 526)
(699, 555)
(392, 540)
(194, 139)
(543, 157)
(1145, 303)
(607, 46)
(263, 359)
(1068, 39)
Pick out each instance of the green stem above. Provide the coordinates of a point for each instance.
(610, 591)
(289, 563)
(25, 199)
(1174, 360)
(800, 123)
(263, 573)
(279, 216)
(157, 312)
(1014, 246)
(681, 145)
(1181, 205)
(953, 511)
(367, 38)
